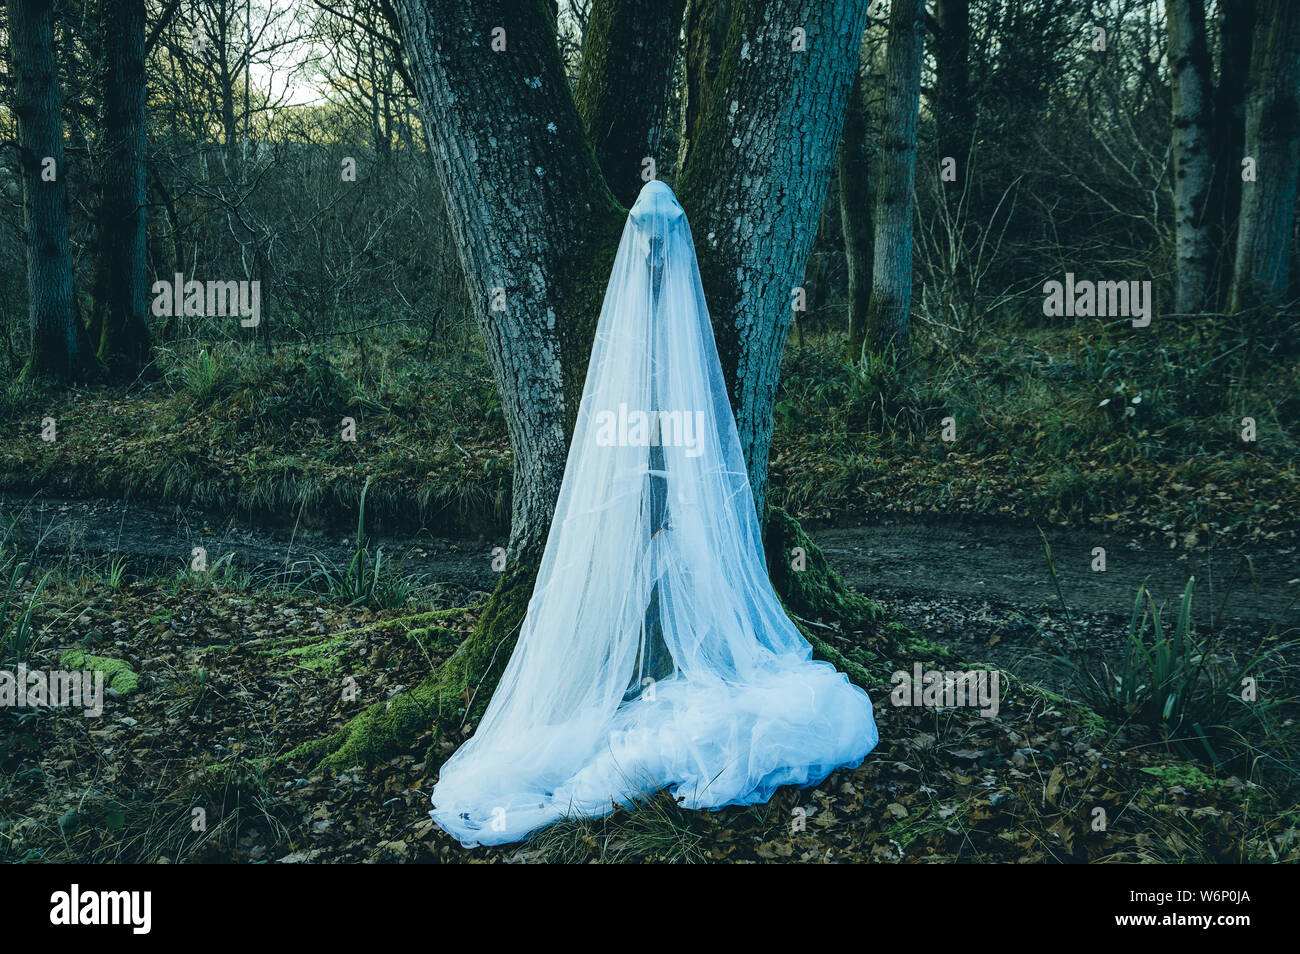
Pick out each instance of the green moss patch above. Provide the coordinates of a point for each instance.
(1188, 776)
(117, 672)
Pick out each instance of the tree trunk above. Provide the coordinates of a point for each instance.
(536, 229)
(891, 283)
(623, 85)
(124, 343)
(753, 187)
(1236, 29)
(707, 23)
(1189, 68)
(855, 212)
(754, 184)
(954, 111)
(1262, 270)
(535, 225)
(226, 81)
(58, 340)
(167, 330)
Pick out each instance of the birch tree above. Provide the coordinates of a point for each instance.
(1189, 69)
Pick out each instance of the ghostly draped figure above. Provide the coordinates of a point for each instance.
(654, 653)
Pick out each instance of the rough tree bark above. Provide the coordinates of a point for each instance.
(535, 224)
(1236, 29)
(754, 183)
(954, 110)
(891, 283)
(855, 212)
(124, 345)
(1189, 68)
(1262, 270)
(58, 340)
(623, 85)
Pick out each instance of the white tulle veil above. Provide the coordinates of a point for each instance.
(654, 653)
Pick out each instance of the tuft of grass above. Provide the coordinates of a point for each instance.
(16, 396)
(191, 690)
(205, 376)
(367, 578)
(315, 389)
(656, 829)
(1204, 702)
(115, 574)
(236, 803)
(17, 635)
(222, 573)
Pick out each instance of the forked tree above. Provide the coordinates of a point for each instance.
(536, 223)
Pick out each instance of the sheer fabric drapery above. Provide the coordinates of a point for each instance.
(654, 653)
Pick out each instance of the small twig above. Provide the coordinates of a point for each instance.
(808, 622)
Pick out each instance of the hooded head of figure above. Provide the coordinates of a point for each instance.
(655, 214)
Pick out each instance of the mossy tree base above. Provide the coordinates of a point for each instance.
(804, 579)
(452, 697)
(811, 591)
(455, 695)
